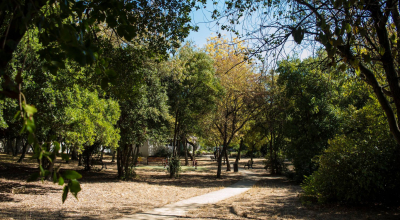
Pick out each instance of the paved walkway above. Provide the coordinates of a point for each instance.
(179, 209)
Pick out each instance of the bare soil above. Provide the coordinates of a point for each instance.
(274, 197)
(103, 196)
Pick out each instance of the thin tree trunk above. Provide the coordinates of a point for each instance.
(119, 162)
(113, 155)
(228, 166)
(175, 134)
(24, 149)
(220, 159)
(240, 149)
(127, 155)
(193, 146)
(186, 153)
(136, 154)
(272, 162)
(102, 152)
(74, 153)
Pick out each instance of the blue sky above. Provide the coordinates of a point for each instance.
(202, 18)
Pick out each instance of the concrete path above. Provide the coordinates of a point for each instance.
(179, 209)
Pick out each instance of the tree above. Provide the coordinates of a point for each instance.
(361, 34)
(309, 120)
(193, 90)
(69, 29)
(241, 86)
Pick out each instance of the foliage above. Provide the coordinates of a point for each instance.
(162, 152)
(310, 121)
(242, 90)
(358, 36)
(68, 29)
(174, 167)
(275, 165)
(193, 91)
(361, 165)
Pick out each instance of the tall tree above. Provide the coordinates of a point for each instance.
(310, 121)
(193, 90)
(362, 34)
(241, 86)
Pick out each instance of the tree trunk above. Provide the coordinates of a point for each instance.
(271, 160)
(228, 166)
(123, 154)
(80, 160)
(24, 149)
(74, 154)
(186, 152)
(126, 160)
(175, 135)
(113, 155)
(194, 149)
(240, 149)
(102, 152)
(220, 158)
(252, 152)
(7, 146)
(119, 162)
(136, 151)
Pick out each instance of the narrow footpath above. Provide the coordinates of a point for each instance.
(179, 209)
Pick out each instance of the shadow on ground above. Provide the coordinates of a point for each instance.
(275, 197)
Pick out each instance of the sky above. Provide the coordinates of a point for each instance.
(207, 28)
(201, 18)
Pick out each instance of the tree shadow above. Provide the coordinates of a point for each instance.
(281, 201)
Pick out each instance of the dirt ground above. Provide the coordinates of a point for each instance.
(103, 196)
(276, 198)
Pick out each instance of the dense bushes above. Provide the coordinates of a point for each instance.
(163, 152)
(360, 166)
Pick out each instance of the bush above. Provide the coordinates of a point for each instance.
(174, 167)
(162, 152)
(352, 171)
(275, 166)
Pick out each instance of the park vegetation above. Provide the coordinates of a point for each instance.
(79, 77)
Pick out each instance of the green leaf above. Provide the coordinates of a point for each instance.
(30, 109)
(298, 35)
(33, 177)
(17, 115)
(54, 176)
(41, 170)
(74, 187)
(56, 147)
(71, 174)
(60, 181)
(381, 51)
(30, 125)
(65, 193)
(97, 70)
(31, 138)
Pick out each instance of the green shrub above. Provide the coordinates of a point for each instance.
(174, 167)
(275, 166)
(352, 171)
(162, 152)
